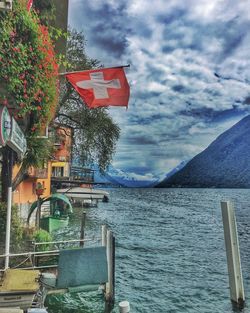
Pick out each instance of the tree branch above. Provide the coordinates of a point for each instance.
(68, 117)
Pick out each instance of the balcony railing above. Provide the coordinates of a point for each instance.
(38, 172)
(78, 173)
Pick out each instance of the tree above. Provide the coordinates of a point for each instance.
(95, 132)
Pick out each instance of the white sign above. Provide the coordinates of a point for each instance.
(17, 140)
(5, 125)
(6, 5)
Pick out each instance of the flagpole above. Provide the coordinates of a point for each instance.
(96, 69)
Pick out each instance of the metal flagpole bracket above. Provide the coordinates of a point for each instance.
(66, 73)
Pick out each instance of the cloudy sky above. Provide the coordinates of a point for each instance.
(189, 73)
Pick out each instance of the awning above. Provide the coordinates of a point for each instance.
(52, 198)
(58, 164)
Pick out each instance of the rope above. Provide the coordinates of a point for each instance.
(28, 258)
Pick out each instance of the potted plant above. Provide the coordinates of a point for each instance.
(39, 189)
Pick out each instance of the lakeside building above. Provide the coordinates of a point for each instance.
(61, 162)
(59, 166)
(25, 193)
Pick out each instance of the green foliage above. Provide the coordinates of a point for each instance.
(95, 133)
(39, 151)
(28, 78)
(29, 71)
(45, 9)
(16, 226)
(42, 236)
(76, 55)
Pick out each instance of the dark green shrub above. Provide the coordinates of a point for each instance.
(42, 236)
(16, 226)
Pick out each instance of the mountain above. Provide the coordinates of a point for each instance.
(172, 172)
(122, 178)
(224, 163)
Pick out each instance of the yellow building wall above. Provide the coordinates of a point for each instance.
(26, 193)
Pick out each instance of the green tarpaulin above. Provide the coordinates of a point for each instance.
(80, 267)
(52, 199)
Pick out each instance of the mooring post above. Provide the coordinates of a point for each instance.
(83, 220)
(38, 212)
(124, 307)
(104, 235)
(113, 267)
(233, 254)
(111, 271)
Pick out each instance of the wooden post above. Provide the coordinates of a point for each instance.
(233, 254)
(104, 235)
(82, 228)
(124, 307)
(113, 268)
(110, 296)
(38, 212)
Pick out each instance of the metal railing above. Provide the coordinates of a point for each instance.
(35, 257)
(107, 240)
(38, 172)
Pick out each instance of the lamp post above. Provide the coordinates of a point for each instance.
(12, 136)
(9, 204)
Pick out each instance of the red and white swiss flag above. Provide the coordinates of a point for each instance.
(29, 4)
(102, 87)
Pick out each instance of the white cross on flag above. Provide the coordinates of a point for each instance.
(29, 4)
(102, 87)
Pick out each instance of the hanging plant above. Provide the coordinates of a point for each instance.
(29, 70)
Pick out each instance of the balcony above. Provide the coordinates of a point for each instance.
(77, 175)
(83, 174)
(38, 172)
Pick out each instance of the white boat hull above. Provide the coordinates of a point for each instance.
(84, 194)
(16, 299)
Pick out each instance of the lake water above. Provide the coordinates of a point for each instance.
(170, 254)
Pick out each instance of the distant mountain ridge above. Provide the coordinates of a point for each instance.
(224, 163)
(172, 172)
(122, 178)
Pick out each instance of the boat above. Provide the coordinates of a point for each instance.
(55, 211)
(20, 288)
(86, 196)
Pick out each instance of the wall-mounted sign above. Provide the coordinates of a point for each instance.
(11, 134)
(5, 5)
(17, 140)
(5, 125)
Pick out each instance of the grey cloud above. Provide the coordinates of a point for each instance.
(178, 105)
(104, 28)
(141, 140)
(168, 18)
(180, 88)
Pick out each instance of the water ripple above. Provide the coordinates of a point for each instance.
(170, 254)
